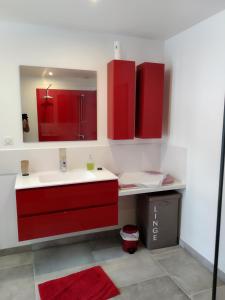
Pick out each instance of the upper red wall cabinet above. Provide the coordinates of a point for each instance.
(121, 99)
(149, 105)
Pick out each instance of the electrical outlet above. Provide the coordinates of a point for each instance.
(8, 140)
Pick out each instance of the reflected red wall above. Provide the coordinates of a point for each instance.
(70, 115)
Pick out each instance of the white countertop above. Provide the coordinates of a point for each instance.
(57, 178)
(177, 185)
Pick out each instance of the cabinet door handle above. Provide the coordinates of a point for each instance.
(81, 136)
(82, 97)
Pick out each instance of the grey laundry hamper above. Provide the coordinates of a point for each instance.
(158, 219)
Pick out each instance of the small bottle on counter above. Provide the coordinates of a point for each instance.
(25, 167)
(90, 163)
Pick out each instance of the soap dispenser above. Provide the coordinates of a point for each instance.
(90, 163)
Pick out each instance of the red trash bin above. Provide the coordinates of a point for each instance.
(130, 237)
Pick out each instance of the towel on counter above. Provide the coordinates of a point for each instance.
(153, 179)
(90, 284)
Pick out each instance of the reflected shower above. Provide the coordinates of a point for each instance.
(47, 96)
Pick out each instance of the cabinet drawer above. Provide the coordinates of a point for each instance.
(68, 197)
(65, 222)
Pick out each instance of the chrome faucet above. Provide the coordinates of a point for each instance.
(62, 160)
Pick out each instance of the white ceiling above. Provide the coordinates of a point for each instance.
(156, 19)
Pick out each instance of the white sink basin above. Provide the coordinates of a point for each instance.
(57, 178)
(69, 176)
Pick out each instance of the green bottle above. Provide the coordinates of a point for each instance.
(90, 164)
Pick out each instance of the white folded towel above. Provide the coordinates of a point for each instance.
(141, 178)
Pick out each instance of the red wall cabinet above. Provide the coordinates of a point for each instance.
(48, 211)
(149, 100)
(121, 99)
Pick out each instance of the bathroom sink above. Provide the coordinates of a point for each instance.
(57, 178)
(69, 176)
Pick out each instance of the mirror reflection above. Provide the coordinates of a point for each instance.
(58, 104)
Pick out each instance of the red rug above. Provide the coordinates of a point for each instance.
(90, 284)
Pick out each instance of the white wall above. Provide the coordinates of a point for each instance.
(195, 76)
(8, 216)
(43, 46)
(116, 158)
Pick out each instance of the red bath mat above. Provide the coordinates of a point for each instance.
(90, 284)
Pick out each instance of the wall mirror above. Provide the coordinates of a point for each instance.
(58, 104)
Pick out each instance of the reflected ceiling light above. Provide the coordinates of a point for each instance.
(50, 73)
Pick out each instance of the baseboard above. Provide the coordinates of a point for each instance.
(206, 263)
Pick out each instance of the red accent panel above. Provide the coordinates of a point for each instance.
(70, 115)
(121, 99)
(65, 222)
(149, 107)
(68, 197)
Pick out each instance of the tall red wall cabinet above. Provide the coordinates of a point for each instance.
(121, 99)
(149, 100)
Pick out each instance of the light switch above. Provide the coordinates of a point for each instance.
(8, 140)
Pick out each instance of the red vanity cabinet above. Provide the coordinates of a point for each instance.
(121, 99)
(49, 211)
(149, 100)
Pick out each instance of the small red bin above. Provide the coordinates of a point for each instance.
(130, 237)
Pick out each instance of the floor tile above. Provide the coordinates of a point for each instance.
(164, 250)
(61, 258)
(162, 288)
(14, 260)
(207, 295)
(189, 274)
(132, 269)
(107, 249)
(17, 283)
(108, 254)
(167, 273)
(105, 243)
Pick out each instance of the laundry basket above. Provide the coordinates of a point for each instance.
(158, 218)
(130, 237)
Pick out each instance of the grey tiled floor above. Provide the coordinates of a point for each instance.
(156, 288)
(17, 283)
(62, 257)
(186, 271)
(165, 274)
(207, 295)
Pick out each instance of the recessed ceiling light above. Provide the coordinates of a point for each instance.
(50, 73)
